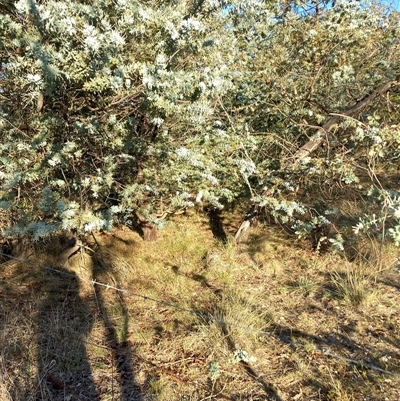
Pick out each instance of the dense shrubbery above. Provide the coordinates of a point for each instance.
(112, 108)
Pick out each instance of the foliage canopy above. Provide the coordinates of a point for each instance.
(113, 107)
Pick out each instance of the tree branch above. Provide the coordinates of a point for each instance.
(316, 142)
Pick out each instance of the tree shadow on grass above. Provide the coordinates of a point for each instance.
(116, 331)
(346, 346)
(63, 323)
(217, 292)
(62, 329)
(266, 387)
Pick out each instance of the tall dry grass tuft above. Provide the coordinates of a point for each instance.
(353, 284)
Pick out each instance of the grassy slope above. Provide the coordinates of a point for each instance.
(62, 339)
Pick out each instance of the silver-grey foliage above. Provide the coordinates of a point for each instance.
(109, 108)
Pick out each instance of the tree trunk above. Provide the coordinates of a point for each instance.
(148, 230)
(72, 247)
(250, 220)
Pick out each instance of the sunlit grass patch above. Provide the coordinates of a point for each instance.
(352, 286)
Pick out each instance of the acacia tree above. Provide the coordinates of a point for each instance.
(124, 108)
(323, 75)
(107, 110)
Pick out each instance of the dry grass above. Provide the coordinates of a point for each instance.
(352, 286)
(261, 317)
